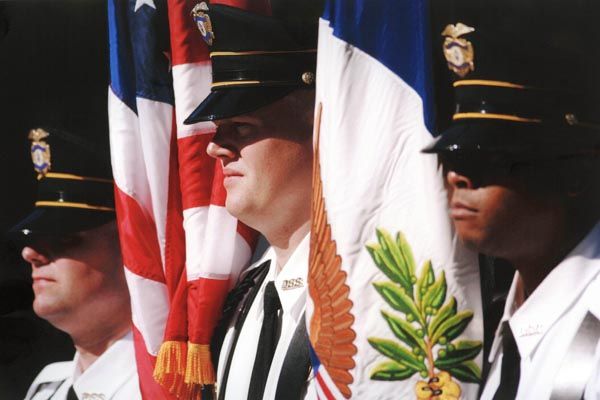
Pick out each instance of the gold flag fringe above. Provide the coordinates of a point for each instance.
(184, 369)
(169, 370)
(199, 369)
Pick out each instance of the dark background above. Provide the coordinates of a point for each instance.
(53, 74)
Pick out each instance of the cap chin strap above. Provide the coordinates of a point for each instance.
(257, 52)
(504, 117)
(69, 204)
(61, 175)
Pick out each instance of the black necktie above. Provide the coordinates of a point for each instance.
(71, 395)
(511, 366)
(266, 343)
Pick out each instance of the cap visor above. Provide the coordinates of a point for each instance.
(511, 137)
(59, 220)
(226, 103)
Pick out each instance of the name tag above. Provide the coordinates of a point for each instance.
(93, 396)
(531, 330)
(290, 284)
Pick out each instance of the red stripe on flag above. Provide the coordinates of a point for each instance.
(139, 242)
(187, 45)
(218, 190)
(174, 232)
(249, 234)
(195, 169)
(149, 388)
(205, 301)
(324, 387)
(176, 328)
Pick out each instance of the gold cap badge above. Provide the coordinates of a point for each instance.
(458, 52)
(40, 151)
(203, 22)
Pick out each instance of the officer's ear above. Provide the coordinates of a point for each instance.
(580, 176)
(302, 103)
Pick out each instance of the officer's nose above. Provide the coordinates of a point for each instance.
(222, 146)
(34, 257)
(458, 181)
(217, 150)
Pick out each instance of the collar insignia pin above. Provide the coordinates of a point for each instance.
(290, 284)
(459, 52)
(203, 22)
(40, 152)
(531, 330)
(93, 396)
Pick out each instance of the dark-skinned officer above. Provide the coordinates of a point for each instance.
(522, 164)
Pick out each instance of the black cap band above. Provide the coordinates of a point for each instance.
(487, 99)
(75, 191)
(263, 68)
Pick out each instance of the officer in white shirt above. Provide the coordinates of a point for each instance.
(262, 102)
(71, 241)
(522, 162)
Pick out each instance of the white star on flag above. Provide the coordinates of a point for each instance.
(140, 3)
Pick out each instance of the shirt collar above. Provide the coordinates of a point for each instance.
(532, 319)
(291, 280)
(109, 372)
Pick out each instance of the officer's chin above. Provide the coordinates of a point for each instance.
(471, 236)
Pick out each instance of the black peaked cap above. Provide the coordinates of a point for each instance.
(256, 59)
(75, 185)
(533, 85)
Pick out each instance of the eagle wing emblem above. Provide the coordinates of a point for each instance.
(331, 332)
(457, 30)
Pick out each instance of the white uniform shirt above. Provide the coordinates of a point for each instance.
(113, 376)
(291, 288)
(544, 325)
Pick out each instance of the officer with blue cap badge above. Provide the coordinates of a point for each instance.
(70, 239)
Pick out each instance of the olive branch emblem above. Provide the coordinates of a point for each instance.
(426, 326)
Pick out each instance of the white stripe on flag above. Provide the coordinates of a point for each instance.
(150, 308)
(213, 244)
(125, 146)
(155, 121)
(191, 82)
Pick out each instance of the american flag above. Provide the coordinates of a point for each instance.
(182, 251)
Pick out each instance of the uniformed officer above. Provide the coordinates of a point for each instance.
(521, 159)
(262, 102)
(71, 241)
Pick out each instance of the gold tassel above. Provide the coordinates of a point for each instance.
(169, 370)
(195, 392)
(199, 369)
